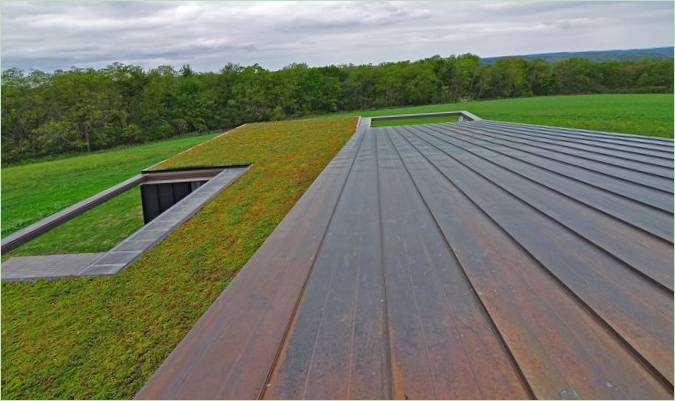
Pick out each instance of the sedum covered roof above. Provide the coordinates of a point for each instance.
(480, 259)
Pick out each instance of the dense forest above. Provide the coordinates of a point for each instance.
(88, 109)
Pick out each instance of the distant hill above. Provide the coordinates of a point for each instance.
(596, 55)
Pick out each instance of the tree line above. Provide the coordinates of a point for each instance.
(81, 110)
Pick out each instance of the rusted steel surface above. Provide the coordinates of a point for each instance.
(473, 260)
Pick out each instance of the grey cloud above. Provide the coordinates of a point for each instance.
(208, 35)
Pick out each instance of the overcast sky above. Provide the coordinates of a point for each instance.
(208, 35)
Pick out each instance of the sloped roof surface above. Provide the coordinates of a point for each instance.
(480, 259)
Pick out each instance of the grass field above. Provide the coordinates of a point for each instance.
(97, 230)
(33, 191)
(650, 114)
(102, 337)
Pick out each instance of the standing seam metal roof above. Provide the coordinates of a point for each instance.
(481, 259)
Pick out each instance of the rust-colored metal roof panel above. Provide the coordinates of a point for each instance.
(480, 259)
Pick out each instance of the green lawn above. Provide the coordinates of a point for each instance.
(102, 337)
(650, 114)
(413, 121)
(33, 191)
(97, 230)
